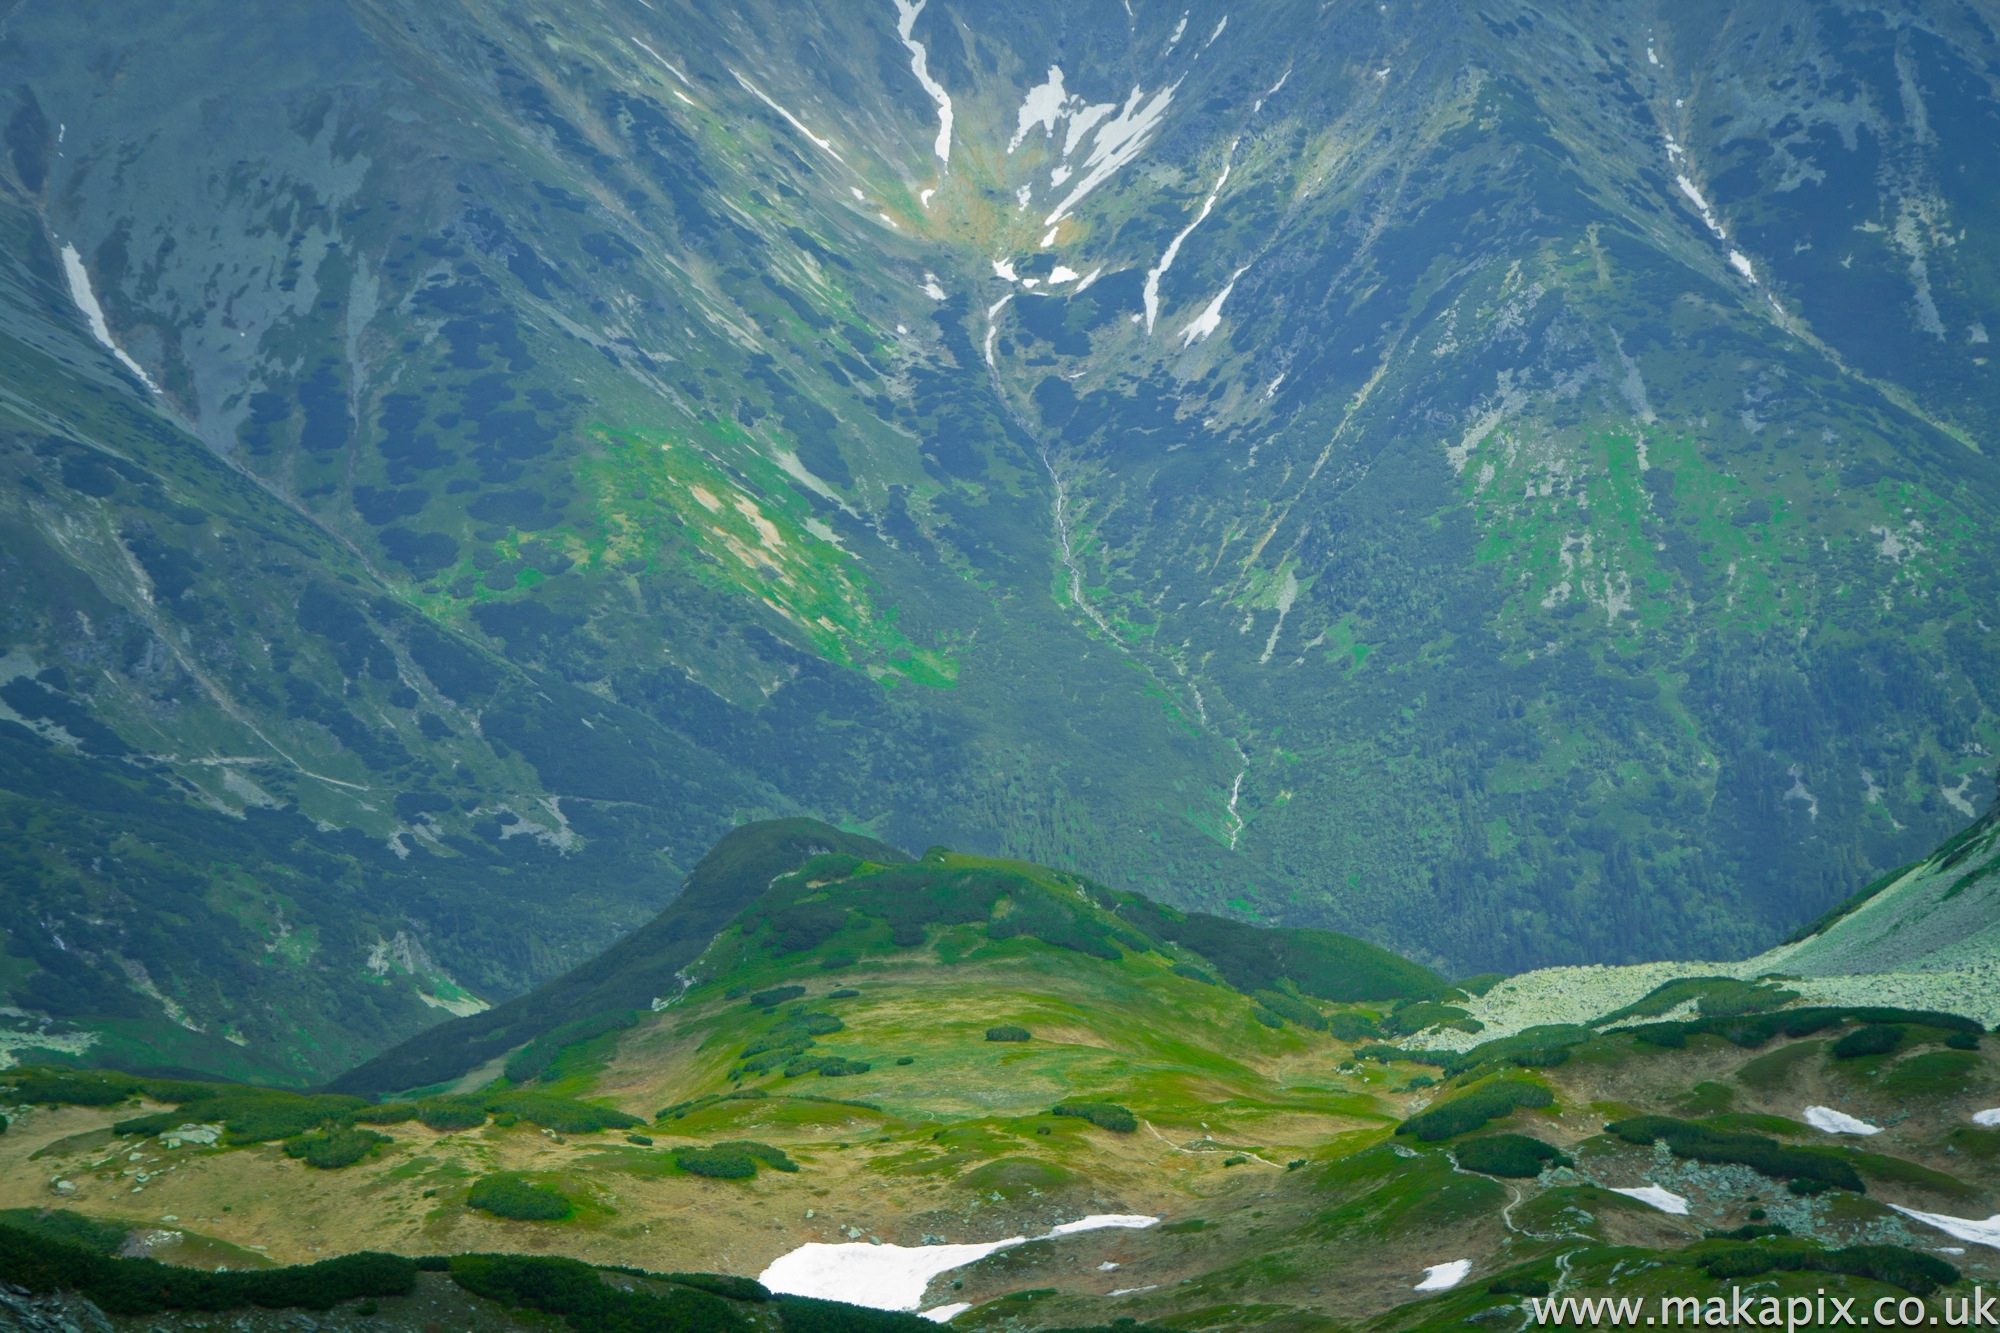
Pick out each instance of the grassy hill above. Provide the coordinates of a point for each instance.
(634, 973)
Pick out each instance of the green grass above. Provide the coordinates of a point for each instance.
(1933, 1074)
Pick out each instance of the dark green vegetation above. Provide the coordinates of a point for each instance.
(595, 1300)
(335, 1148)
(41, 1263)
(506, 1194)
(1513, 1155)
(587, 1299)
(1500, 573)
(1704, 1143)
(324, 1131)
(1105, 1115)
(1471, 1110)
(1917, 1273)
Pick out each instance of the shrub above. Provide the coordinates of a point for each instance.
(811, 1025)
(772, 1157)
(807, 1314)
(335, 1148)
(507, 1195)
(1755, 1231)
(1193, 973)
(1105, 1115)
(1704, 1143)
(1962, 1041)
(844, 993)
(450, 1114)
(145, 1286)
(572, 1290)
(60, 1224)
(1519, 1286)
(149, 1126)
(3, 1124)
(1292, 1009)
(1007, 1032)
(565, 1115)
(767, 999)
(388, 1113)
(1352, 1027)
(1515, 1156)
(258, 1117)
(1409, 1018)
(1392, 1054)
(83, 1088)
(805, 1064)
(718, 1163)
(766, 1061)
(1874, 1039)
(723, 1284)
(1471, 1110)
(836, 1067)
(1915, 1272)
(906, 1059)
(1266, 1017)
(642, 1140)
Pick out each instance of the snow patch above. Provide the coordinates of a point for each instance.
(1829, 1121)
(825, 145)
(93, 313)
(1117, 141)
(1443, 1277)
(1210, 318)
(1665, 1200)
(1689, 189)
(906, 22)
(1987, 1119)
(893, 1277)
(1042, 106)
(1959, 1228)
(1060, 274)
(944, 1314)
(931, 288)
(1154, 274)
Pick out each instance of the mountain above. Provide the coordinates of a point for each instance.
(641, 971)
(1935, 916)
(1511, 484)
(797, 876)
(1045, 1103)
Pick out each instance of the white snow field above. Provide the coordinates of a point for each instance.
(893, 1277)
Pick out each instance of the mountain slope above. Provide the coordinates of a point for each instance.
(1936, 916)
(643, 969)
(1513, 487)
